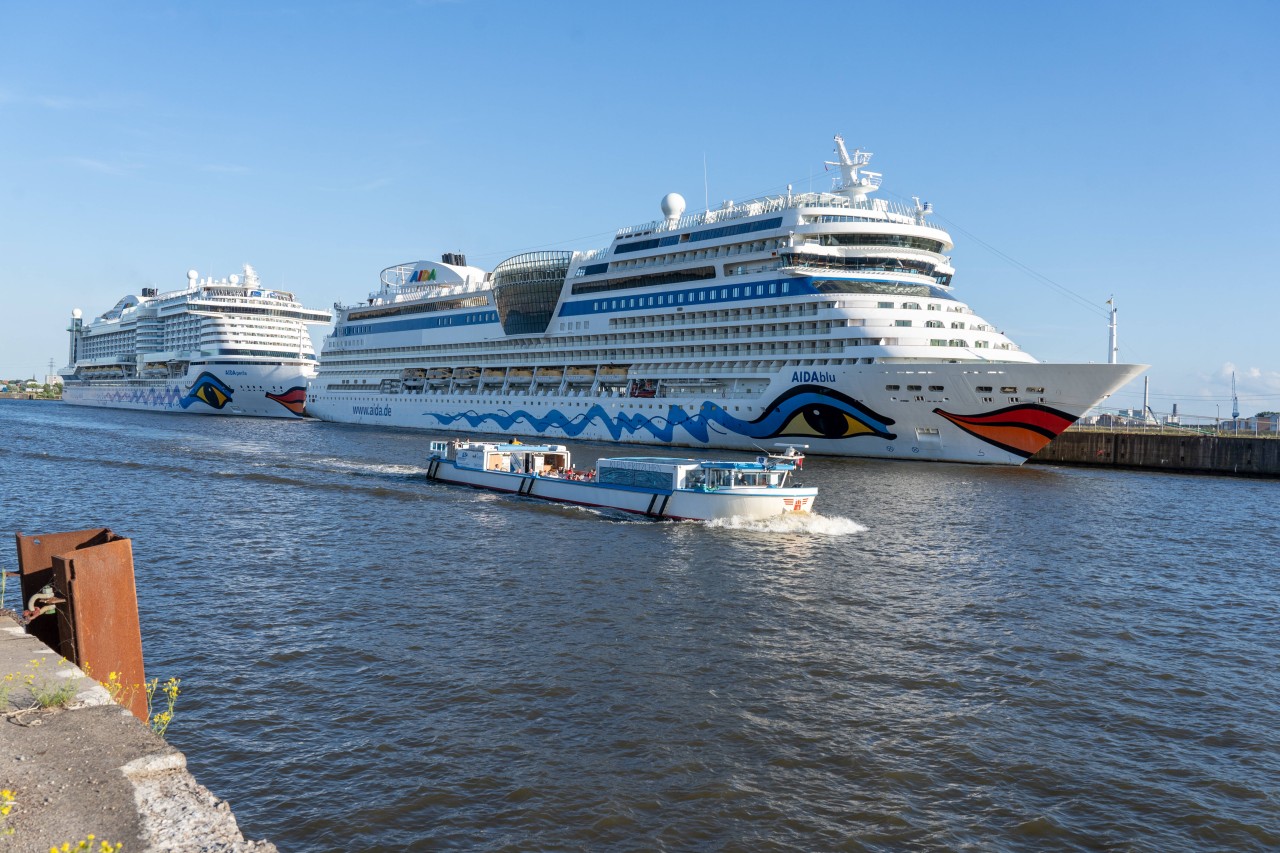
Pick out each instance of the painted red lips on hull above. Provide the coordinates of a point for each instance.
(1021, 430)
(295, 399)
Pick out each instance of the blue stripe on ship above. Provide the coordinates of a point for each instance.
(692, 296)
(471, 318)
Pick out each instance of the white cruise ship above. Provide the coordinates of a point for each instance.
(225, 347)
(827, 318)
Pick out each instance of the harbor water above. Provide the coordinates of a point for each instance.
(946, 657)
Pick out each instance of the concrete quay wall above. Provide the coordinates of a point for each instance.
(89, 767)
(1242, 456)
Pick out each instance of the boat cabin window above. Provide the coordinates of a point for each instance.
(620, 476)
(724, 478)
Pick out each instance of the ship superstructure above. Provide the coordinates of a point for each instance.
(826, 316)
(228, 347)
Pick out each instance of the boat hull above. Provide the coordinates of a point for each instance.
(249, 390)
(677, 504)
(985, 413)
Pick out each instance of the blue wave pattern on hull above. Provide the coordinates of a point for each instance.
(807, 410)
(207, 389)
(160, 398)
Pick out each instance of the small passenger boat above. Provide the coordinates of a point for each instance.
(654, 486)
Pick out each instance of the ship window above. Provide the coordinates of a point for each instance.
(913, 387)
(891, 387)
(884, 304)
(936, 388)
(1035, 390)
(933, 306)
(984, 389)
(1008, 389)
(915, 306)
(902, 322)
(773, 288)
(786, 287)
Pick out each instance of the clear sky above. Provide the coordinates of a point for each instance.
(1076, 151)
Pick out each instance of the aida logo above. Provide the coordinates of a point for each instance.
(207, 389)
(423, 275)
(799, 376)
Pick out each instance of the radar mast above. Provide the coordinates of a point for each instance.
(853, 185)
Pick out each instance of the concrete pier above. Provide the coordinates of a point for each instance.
(1241, 456)
(89, 767)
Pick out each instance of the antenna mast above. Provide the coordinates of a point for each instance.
(1235, 401)
(1112, 357)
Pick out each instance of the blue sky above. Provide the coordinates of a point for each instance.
(1076, 151)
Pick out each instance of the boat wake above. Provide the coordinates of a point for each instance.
(806, 523)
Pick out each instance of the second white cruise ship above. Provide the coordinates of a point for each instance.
(824, 317)
(216, 347)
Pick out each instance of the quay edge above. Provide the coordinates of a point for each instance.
(91, 767)
(1239, 456)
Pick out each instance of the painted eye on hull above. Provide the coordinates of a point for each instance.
(209, 390)
(823, 421)
(212, 396)
(818, 412)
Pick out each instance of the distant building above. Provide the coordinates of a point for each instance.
(1264, 422)
(53, 379)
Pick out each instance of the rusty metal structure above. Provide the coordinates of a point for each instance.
(79, 599)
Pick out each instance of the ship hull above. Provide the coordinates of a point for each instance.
(673, 504)
(244, 390)
(984, 413)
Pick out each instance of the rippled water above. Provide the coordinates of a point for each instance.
(949, 657)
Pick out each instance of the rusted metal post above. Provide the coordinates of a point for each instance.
(93, 602)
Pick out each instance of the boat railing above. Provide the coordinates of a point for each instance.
(871, 209)
(590, 255)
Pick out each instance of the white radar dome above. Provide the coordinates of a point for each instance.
(76, 314)
(192, 275)
(235, 279)
(673, 206)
